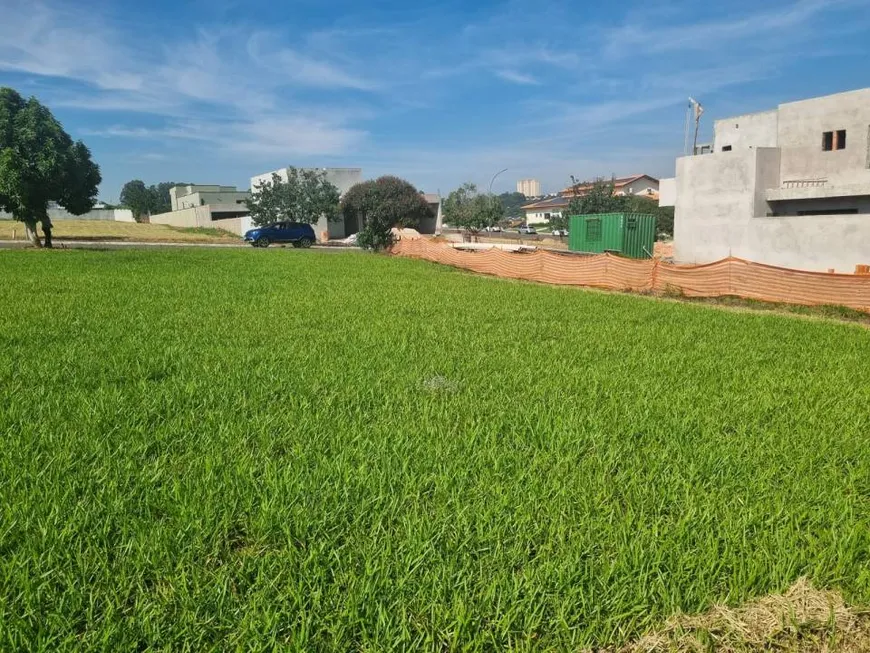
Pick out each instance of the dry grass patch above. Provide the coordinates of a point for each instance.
(802, 620)
(107, 230)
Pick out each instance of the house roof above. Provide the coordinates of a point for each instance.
(618, 183)
(550, 203)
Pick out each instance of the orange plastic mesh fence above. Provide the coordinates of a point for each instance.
(731, 276)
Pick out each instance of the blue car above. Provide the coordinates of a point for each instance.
(297, 233)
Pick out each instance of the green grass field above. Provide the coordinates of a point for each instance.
(250, 450)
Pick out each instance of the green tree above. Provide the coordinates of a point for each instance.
(512, 203)
(40, 163)
(160, 199)
(138, 197)
(664, 214)
(380, 205)
(305, 196)
(599, 197)
(468, 209)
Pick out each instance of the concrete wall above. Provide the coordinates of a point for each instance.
(202, 198)
(720, 211)
(116, 215)
(715, 199)
(667, 191)
(801, 125)
(202, 216)
(743, 132)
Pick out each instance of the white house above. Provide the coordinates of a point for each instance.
(341, 178)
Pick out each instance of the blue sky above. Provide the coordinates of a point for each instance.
(215, 92)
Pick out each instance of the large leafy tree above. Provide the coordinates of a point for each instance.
(512, 203)
(305, 196)
(40, 163)
(382, 204)
(137, 197)
(145, 200)
(468, 209)
(599, 197)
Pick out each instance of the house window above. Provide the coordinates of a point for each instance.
(593, 230)
(834, 140)
(726, 148)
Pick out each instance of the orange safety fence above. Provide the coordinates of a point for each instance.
(730, 276)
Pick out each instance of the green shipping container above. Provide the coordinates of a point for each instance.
(627, 234)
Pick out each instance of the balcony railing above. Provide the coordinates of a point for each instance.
(804, 183)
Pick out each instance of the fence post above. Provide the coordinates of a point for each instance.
(655, 274)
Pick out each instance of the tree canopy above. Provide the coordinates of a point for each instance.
(601, 197)
(512, 203)
(468, 209)
(305, 196)
(145, 200)
(40, 163)
(382, 204)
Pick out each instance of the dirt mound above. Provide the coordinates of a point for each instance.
(802, 620)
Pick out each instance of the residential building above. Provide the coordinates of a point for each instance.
(632, 185)
(433, 224)
(529, 187)
(207, 206)
(191, 195)
(343, 179)
(787, 187)
(542, 210)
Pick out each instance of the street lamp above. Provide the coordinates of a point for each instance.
(493, 179)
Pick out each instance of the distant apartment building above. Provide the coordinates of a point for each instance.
(529, 187)
(542, 210)
(788, 187)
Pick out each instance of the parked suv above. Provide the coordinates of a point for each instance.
(525, 229)
(297, 233)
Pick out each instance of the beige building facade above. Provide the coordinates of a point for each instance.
(529, 187)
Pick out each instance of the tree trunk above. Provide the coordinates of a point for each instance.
(30, 231)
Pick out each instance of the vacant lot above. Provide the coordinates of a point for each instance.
(107, 230)
(219, 449)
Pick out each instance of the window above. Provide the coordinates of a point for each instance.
(726, 148)
(834, 140)
(829, 212)
(593, 230)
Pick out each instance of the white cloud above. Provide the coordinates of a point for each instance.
(517, 77)
(772, 29)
